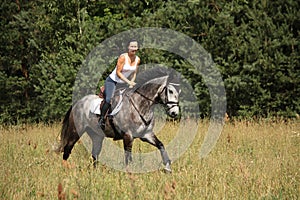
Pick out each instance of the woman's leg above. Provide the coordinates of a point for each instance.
(110, 87)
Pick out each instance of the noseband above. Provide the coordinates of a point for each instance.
(167, 102)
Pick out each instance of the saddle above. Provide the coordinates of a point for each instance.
(102, 95)
(101, 92)
(116, 106)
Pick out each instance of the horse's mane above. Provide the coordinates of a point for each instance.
(152, 73)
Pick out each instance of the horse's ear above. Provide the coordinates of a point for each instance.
(174, 76)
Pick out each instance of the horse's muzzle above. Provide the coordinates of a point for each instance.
(172, 110)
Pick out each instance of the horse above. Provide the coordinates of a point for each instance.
(134, 119)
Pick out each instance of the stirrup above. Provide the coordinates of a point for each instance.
(101, 123)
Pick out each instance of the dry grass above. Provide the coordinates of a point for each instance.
(250, 161)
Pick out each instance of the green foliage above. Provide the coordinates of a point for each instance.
(254, 44)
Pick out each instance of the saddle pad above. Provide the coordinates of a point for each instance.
(95, 106)
(119, 105)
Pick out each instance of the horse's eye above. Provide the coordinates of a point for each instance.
(170, 91)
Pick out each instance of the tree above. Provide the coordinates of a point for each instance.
(255, 45)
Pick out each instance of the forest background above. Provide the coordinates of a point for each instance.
(254, 45)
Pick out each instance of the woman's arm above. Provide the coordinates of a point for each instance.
(135, 72)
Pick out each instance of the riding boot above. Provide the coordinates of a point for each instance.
(104, 109)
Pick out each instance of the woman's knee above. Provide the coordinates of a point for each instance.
(107, 100)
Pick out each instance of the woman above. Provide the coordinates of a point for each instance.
(126, 67)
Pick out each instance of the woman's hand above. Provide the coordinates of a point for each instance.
(131, 84)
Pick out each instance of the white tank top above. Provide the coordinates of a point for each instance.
(126, 71)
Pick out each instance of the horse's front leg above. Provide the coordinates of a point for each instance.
(127, 142)
(152, 139)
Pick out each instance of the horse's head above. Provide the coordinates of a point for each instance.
(160, 85)
(169, 96)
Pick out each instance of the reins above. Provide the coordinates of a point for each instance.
(173, 103)
(142, 95)
(141, 116)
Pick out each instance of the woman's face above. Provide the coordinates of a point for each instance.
(132, 52)
(132, 48)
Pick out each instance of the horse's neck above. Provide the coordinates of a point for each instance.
(152, 88)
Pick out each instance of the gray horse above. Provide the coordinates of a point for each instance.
(134, 117)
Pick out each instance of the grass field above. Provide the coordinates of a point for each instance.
(252, 160)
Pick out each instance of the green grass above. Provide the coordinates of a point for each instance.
(250, 161)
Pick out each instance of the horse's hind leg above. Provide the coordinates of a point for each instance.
(70, 144)
(97, 141)
(152, 139)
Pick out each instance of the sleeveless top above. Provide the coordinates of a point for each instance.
(126, 71)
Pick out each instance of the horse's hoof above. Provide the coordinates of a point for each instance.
(66, 164)
(167, 168)
(93, 162)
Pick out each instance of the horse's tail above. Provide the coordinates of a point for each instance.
(64, 134)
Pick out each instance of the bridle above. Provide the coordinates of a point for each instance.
(166, 99)
(165, 103)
